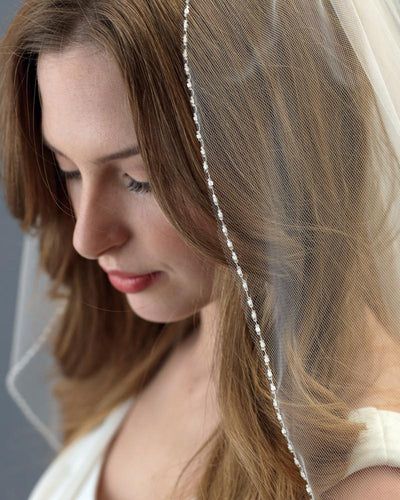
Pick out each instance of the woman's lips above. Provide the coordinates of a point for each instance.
(132, 284)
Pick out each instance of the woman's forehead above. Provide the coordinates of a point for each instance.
(84, 105)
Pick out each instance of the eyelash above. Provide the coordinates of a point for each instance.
(135, 186)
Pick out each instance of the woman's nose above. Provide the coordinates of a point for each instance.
(99, 224)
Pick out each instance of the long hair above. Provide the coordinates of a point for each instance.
(247, 456)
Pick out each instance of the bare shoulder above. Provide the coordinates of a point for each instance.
(381, 482)
(384, 364)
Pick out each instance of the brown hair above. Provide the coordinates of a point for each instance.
(248, 456)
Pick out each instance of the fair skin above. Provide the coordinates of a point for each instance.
(86, 116)
(371, 483)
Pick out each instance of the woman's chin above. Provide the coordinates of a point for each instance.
(150, 312)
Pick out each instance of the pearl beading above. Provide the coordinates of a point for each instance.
(235, 259)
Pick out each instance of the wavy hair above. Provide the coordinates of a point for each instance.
(247, 456)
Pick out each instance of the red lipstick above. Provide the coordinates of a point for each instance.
(131, 284)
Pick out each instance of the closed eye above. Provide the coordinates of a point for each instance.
(135, 186)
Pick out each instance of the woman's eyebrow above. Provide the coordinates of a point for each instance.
(119, 155)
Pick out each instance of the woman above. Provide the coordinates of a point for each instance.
(198, 379)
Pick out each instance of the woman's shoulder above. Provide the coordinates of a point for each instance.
(379, 442)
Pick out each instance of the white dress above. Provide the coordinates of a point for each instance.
(74, 474)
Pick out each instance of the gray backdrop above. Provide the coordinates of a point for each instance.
(21, 464)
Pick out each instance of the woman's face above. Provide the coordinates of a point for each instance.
(85, 117)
